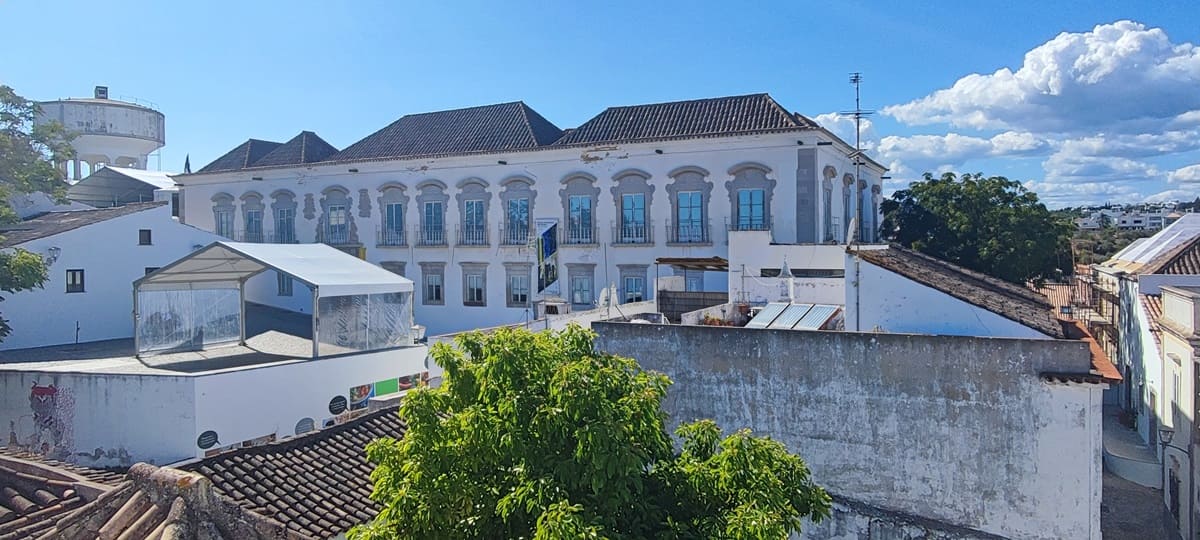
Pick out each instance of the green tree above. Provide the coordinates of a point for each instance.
(27, 157)
(538, 435)
(992, 225)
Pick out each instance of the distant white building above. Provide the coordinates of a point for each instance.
(490, 209)
(116, 186)
(108, 132)
(93, 257)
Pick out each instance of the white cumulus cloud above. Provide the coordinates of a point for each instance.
(1119, 77)
(1188, 174)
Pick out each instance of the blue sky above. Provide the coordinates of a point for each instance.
(1100, 100)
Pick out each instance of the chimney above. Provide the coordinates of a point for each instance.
(101, 92)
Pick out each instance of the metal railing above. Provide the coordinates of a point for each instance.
(390, 237)
(763, 224)
(473, 236)
(431, 236)
(262, 237)
(689, 232)
(633, 234)
(336, 236)
(515, 236)
(578, 234)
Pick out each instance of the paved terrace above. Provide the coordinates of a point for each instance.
(273, 336)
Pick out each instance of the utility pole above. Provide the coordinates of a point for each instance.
(858, 113)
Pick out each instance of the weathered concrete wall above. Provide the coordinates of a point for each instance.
(955, 429)
(99, 420)
(854, 520)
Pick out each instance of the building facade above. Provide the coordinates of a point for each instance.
(86, 297)
(493, 208)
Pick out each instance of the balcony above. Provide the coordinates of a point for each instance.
(689, 233)
(761, 224)
(390, 238)
(578, 235)
(431, 237)
(473, 236)
(515, 236)
(263, 237)
(335, 236)
(633, 234)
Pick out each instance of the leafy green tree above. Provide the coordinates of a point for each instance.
(992, 225)
(27, 157)
(538, 435)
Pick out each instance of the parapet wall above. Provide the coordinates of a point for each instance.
(958, 430)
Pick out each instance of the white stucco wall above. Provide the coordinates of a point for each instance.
(250, 403)
(547, 169)
(878, 299)
(99, 419)
(111, 258)
(752, 251)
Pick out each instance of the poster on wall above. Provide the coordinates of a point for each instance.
(547, 256)
(360, 395)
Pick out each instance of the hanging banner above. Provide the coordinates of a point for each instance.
(547, 256)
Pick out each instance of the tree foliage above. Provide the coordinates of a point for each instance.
(992, 225)
(538, 435)
(27, 156)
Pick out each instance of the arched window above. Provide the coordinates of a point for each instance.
(223, 215)
(474, 201)
(392, 203)
(283, 210)
(432, 199)
(337, 226)
(252, 217)
(579, 195)
(847, 205)
(632, 194)
(689, 191)
(750, 194)
(518, 198)
(830, 232)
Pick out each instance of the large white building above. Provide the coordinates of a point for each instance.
(107, 131)
(461, 200)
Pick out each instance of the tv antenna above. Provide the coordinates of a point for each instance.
(858, 114)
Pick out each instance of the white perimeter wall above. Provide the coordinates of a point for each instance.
(100, 420)
(878, 299)
(118, 420)
(111, 258)
(251, 403)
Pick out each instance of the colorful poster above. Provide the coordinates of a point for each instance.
(360, 395)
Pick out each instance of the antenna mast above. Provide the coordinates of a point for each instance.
(858, 113)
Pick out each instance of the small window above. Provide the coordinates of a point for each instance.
(144, 237)
(151, 269)
(433, 288)
(74, 281)
(518, 291)
(474, 293)
(284, 283)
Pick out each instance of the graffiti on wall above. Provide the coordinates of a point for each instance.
(49, 428)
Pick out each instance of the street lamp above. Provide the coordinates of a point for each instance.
(1165, 435)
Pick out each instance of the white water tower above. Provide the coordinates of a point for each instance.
(109, 131)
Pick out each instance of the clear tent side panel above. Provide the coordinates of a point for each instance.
(363, 322)
(188, 318)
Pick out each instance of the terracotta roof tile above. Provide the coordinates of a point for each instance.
(318, 483)
(244, 155)
(489, 128)
(1013, 302)
(306, 147)
(733, 115)
(1184, 259)
(1152, 303)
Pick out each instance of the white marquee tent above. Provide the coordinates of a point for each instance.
(199, 300)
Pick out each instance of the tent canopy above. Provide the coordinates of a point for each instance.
(328, 271)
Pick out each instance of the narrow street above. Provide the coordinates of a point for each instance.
(1132, 512)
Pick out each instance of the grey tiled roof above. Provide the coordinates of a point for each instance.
(733, 115)
(1016, 303)
(306, 147)
(245, 155)
(318, 485)
(505, 126)
(53, 223)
